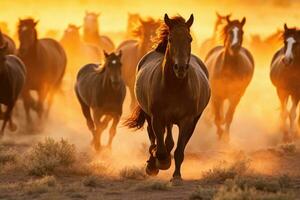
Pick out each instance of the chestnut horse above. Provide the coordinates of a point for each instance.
(210, 43)
(134, 50)
(91, 33)
(171, 87)
(231, 68)
(45, 62)
(285, 76)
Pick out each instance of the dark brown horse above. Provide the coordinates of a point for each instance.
(134, 50)
(91, 33)
(11, 46)
(78, 52)
(231, 69)
(45, 61)
(285, 76)
(171, 88)
(103, 91)
(210, 43)
(12, 79)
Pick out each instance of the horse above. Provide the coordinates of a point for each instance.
(78, 52)
(231, 68)
(172, 88)
(134, 50)
(285, 75)
(214, 40)
(103, 91)
(91, 33)
(132, 22)
(12, 80)
(45, 62)
(11, 46)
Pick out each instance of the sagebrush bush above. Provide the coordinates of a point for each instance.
(203, 193)
(222, 172)
(50, 155)
(7, 155)
(40, 186)
(92, 181)
(153, 185)
(137, 173)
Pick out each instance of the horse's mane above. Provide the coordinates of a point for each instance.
(161, 41)
(138, 30)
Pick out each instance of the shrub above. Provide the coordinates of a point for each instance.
(92, 181)
(40, 186)
(153, 185)
(49, 155)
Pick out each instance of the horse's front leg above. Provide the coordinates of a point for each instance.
(7, 117)
(217, 104)
(42, 95)
(293, 115)
(151, 168)
(113, 129)
(169, 139)
(233, 102)
(186, 129)
(283, 97)
(163, 159)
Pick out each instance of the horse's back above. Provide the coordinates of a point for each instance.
(107, 43)
(11, 48)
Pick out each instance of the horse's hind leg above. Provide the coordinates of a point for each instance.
(217, 104)
(293, 115)
(186, 129)
(151, 168)
(113, 129)
(27, 103)
(283, 97)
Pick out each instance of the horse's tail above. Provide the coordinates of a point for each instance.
(137, 119)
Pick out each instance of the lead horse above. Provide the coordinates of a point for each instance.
(45, 62)
(231, 68)
(285, 76)
(171, 88)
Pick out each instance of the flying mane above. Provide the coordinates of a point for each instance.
(161, 41)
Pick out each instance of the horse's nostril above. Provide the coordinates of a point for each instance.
(176, 67)
(187, 66)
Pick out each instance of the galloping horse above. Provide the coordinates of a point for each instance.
(91, 33)
(78, 52)
(45, 61)
(103, 91)
(172, 87)
(285, 76)
(12, 79)
(214, 40)
(231, 69)
(134, 50)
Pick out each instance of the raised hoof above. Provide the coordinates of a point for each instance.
(176, 181)
(13, 127)
(163, 164)
(151, 168)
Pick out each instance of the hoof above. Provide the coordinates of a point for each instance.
(151, 168)
(13, 127)
(164, 164)
(177, 181)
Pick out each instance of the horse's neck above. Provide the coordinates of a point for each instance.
(170, 80)
(91, 36)
(30, 53)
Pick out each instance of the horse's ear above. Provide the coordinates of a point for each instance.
(120, 54)
(285, 27)
(190, 21)
(228, 19)
(105, 54)
(36, 22)
(243, 21)
(167, 21)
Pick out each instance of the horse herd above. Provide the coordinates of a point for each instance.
(168, 84)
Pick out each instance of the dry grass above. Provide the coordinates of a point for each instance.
(224, 171)
(50, 155)
(288, 148)
(40, 186)
(135, 173)
(93, 181)
(153, 185)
